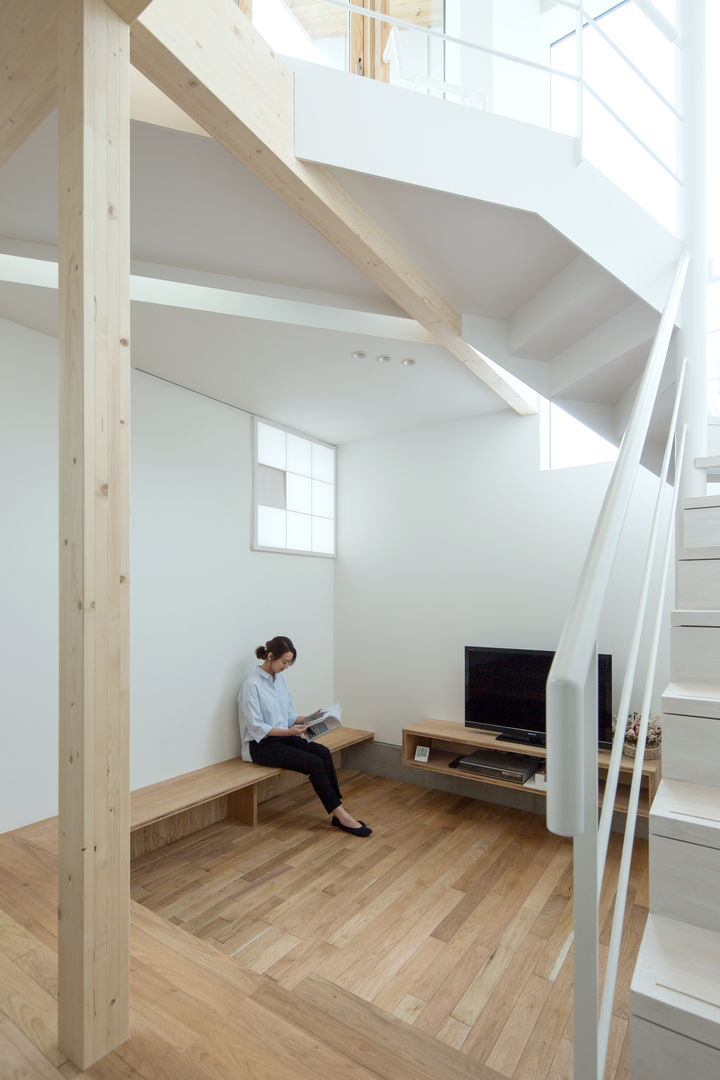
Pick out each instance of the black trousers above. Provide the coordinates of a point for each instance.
(298, 755)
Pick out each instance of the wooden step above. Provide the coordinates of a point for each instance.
(685, 853)
(675, 1003)
(382, 1043)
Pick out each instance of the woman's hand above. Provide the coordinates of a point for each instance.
(298, 727)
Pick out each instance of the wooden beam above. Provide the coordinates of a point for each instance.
(28, 70)
(209, 60)
(94, 333)
(129, 10)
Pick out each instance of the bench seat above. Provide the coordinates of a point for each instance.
(235, 780)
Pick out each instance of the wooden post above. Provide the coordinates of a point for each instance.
(94, 332)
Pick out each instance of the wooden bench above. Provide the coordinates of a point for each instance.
(173, 808)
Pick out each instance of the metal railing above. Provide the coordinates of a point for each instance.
(572, 708)
(482, 98)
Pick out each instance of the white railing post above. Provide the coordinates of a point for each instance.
(580, 90)
(585, 888)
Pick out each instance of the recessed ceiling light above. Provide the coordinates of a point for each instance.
(408, 361)
(358, 355)
(384, 358)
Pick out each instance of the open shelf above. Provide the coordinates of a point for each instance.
(447, 739)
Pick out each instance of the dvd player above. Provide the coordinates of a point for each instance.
(515, 768)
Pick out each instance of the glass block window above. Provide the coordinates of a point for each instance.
(294, 492)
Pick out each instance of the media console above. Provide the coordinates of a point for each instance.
(446, 740)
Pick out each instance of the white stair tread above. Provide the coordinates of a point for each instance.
(711, 463)
(685, 554)
(676, 982)
(699, 502)
(689, 812)
(692, 699)
(695, 618)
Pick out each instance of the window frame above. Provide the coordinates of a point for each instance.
(255, 544)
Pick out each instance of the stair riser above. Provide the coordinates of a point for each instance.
(685, 882)
(698, 584)
(659, 1054)
(691, 749)
(701, 526)
(695, 654)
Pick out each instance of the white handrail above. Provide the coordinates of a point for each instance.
(633, 134)
(611, 781)
(440, 35)
(593, 22)
(633, 799)
(568, 674)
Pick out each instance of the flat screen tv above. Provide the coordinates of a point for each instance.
(505, 692)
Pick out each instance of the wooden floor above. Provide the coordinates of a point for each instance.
(438, 947)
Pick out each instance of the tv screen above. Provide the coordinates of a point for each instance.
(505, 692)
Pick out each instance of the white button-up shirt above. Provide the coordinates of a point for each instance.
(264, 702)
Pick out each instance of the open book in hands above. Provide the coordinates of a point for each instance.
(325, 720)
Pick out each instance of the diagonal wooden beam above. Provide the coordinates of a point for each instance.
(209, 60)
(28, 69)
(129, 10)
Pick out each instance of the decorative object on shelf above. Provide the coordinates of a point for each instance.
(422, 753)
(654, 736)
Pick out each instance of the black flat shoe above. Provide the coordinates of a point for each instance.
(362, 830)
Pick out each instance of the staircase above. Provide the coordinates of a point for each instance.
(675, 993)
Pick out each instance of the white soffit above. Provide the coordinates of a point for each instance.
(21, 270)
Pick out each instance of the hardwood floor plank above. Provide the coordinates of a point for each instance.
(15, 939)
(381, 1043)
(409, 1008)
(562, 1063)
(453, 1033)
(455, 984)
(20, 1059)
(519, 1026)
(41, 964)
(30, 1008)
(412, 972)
(488, 1002)
(539, 1053)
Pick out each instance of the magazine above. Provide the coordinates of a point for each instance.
(330, 719)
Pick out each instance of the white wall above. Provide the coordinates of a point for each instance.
(29, 578)
(450, 536)
(200, 602)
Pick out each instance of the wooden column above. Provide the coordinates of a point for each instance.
(368, 39)
(94, 333)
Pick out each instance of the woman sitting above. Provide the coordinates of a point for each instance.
(272, 733)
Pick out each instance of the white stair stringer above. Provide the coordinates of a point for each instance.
(685, 847)
(675, 1003)
(675, 992)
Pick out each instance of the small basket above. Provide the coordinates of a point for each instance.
(651, 752)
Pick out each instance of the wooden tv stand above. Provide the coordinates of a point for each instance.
(447, 739)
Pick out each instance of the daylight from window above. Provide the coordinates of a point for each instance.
(294, 492)
(566, 442)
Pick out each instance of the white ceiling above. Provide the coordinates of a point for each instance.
(196, 209)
